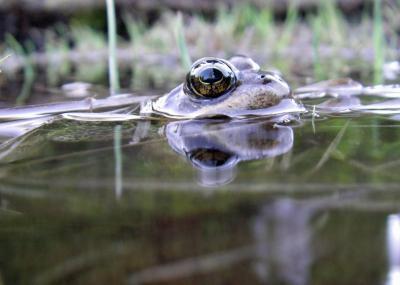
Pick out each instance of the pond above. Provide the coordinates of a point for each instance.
(311, 201)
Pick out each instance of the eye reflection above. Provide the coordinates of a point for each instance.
(209, 78)
(204, 157)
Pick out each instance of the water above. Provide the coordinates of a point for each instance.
(314, 201)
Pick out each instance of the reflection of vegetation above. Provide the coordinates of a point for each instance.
(316, 157)
(122, 237)
(118, 161)
(88, 238)
(342, 254)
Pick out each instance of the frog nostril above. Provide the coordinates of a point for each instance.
(266, 80)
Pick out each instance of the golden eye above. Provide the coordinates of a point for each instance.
(209, 78)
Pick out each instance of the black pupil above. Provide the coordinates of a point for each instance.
(209, 157)
(211, 75)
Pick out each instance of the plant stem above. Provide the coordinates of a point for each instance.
(379, 52)
(316, 27)
(181, 41)
(112, 48)
(29, 71)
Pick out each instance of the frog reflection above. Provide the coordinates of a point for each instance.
(215, 147)
(230, 88)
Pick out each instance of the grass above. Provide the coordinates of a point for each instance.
(54, 45)
(379, 43)
(29, 71)
(333, 19)
(323, 44)
(316, 39)
(288, 28)
(112, 48)
(181, 42)
(135, 29)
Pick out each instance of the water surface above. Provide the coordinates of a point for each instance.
(314, 201)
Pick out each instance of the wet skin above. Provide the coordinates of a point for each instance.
(229, 88)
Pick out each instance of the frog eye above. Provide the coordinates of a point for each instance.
(210, 78)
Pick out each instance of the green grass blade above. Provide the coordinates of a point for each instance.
(181, 42)
(134, 28)
(316, 39)
(379, 44)
(332, 18)
(29, 71)
(290, 24)
(112, 48)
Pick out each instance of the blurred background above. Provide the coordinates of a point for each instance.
(61, 41)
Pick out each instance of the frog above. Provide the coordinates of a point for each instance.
(234, 88)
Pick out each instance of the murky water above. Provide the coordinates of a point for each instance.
(314, 201)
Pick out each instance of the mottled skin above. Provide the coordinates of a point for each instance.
(256, 93)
